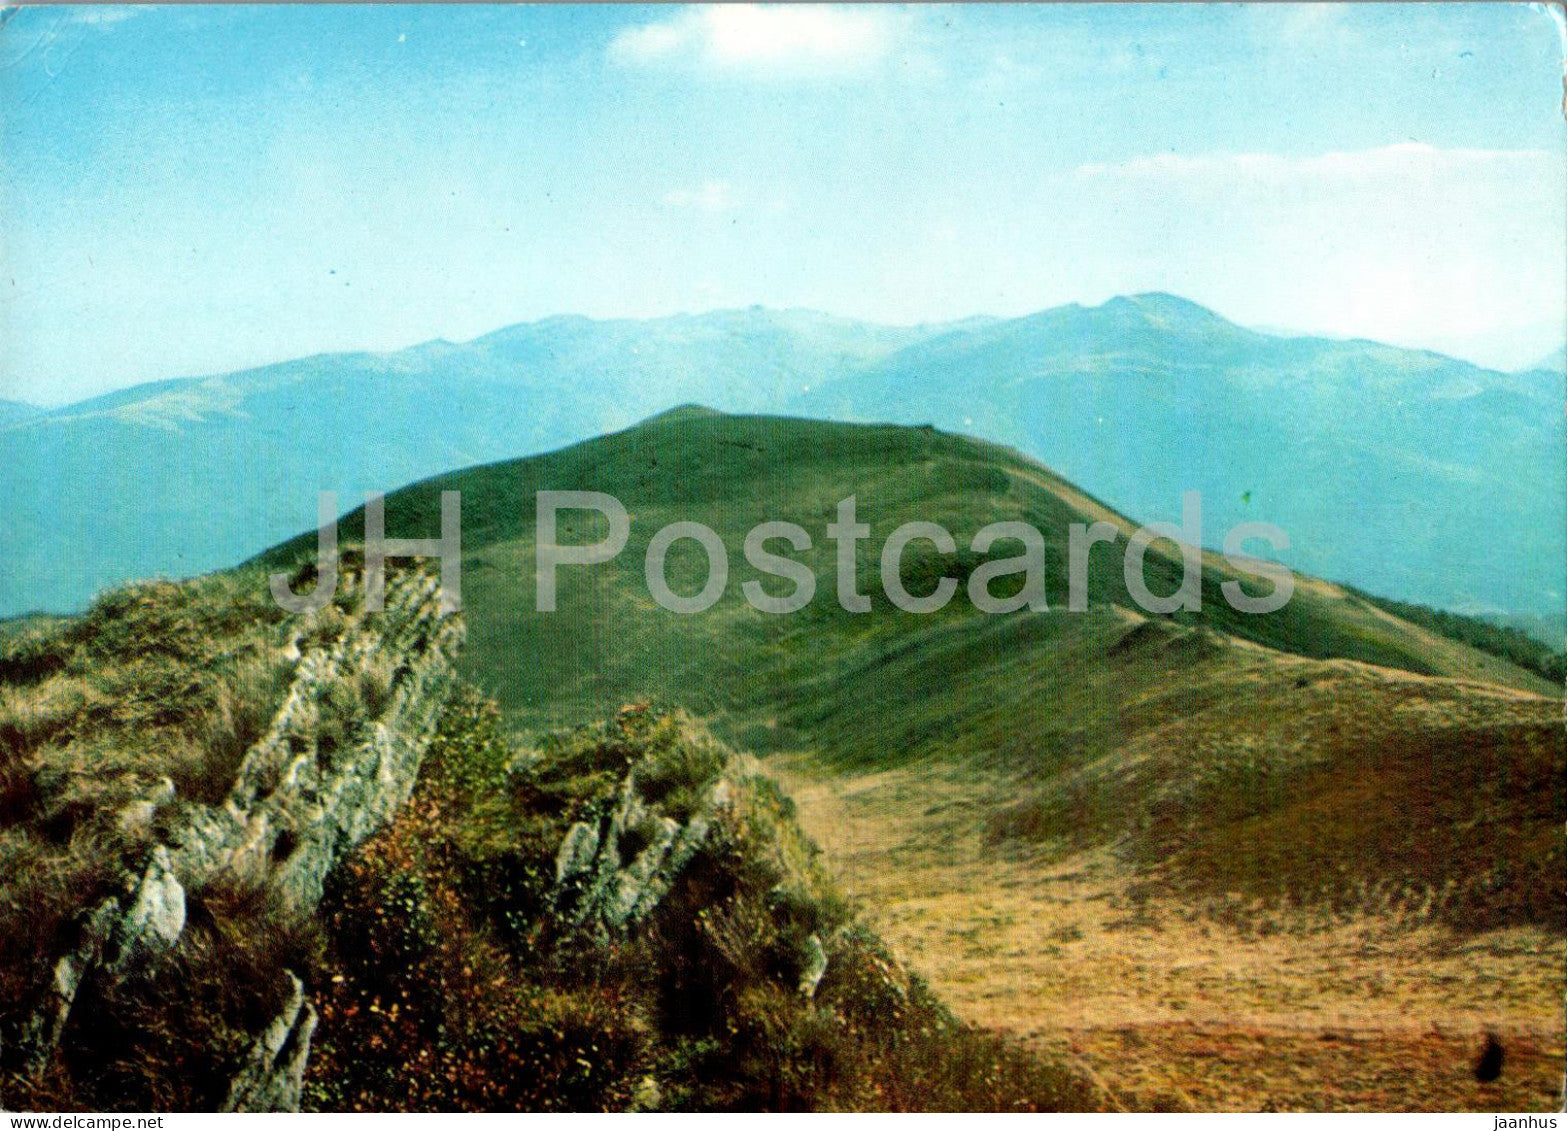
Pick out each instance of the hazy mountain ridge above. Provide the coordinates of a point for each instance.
(13, 411)
(1554, 363)
(1136, 399)
(1405, 472)
(188, 475)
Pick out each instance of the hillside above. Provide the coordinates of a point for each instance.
(1051, 701)
(255, 864)
(180, 774)
(1547, 629)
(733, 472)
(1404, 472)
(1351, 447)
(1147, 860)
(626, 917)
(1356, 787)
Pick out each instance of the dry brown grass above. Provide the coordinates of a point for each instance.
(1166, 928)
(1289, 780)
(157, 685)
(1176, 1066)
(170, 1037)
(453, 984)
(45, 885)
(112, 726)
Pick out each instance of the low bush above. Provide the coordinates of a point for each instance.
(449, 981)
(171, 1036)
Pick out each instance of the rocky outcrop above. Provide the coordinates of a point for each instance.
(813, 965)
(303, 797)
(155, 918)
(297, 807)
(611, 874)
(273, 1073)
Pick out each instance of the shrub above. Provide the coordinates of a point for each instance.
(1511, 644)
(31, 653)
(46, 886)
(679, 769)
(169, 1037)
(450, 984)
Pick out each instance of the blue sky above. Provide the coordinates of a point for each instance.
(194, 189)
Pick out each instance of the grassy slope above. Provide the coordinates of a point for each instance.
(733, 472)
(1213, 766)
(1066, 707)
(156, 681)
(447, 968)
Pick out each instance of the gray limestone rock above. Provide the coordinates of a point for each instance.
(272, 1074)
(156, 916)
(619, 893)
(290, 818)
(577, 852)
(813, 966)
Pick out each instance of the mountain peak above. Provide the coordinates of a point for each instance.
(682, 412)
(1164, 309)
(14, 411)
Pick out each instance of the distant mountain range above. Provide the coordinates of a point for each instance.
(1555, 362)
(1404, 472)
(186, 476)
(13, 411)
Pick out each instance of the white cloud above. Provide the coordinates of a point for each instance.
(1558, 18)
(754, 39)
(710, 196)
(720, 196)
(1305, 26)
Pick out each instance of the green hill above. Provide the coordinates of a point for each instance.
(1054, 703)
(611, 642)
(1194, 851)
(1074, 824)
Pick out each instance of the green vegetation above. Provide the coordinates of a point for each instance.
(451, 979)
(1230, 773)
(1304, 759)
(1512, 644)
(807, 679)
(108, 724)
(115, 728)
(170, 1037)
(1103, 727)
